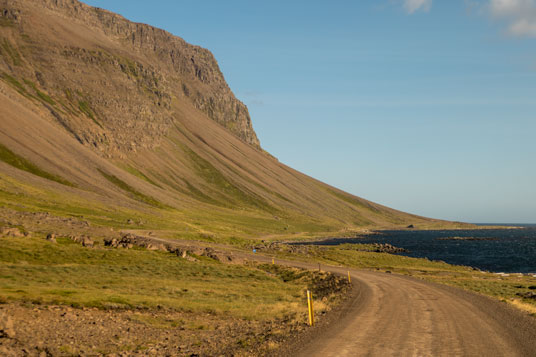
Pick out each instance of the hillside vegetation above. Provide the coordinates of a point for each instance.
(103, 115)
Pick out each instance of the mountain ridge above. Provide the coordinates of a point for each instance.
(150, 129)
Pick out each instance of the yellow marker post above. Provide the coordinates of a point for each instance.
(349, 278)
(273, 261)
(310, 306)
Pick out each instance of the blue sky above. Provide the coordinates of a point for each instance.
(427, 106)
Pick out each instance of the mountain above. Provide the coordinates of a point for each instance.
(117, 123)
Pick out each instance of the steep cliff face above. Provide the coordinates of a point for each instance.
(118, 79)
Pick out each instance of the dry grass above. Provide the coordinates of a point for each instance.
(40, 272)
(530, 308)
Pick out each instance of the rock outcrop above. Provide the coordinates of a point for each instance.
(129, 240)
(119, 89)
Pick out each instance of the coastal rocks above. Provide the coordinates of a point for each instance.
(308, 249)
(388, 248)
(469, 238)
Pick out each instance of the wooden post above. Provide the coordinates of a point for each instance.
(349, 278)
(310, 306)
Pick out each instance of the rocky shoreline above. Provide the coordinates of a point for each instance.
(469, 238)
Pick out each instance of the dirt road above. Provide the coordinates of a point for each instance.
(393, 315)
(399, 316)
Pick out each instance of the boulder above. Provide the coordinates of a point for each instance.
(86, 241)
(51, 237)
(111, 242)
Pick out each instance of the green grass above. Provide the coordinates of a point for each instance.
(133, 192)
(5, 22)
(42, 96)
(86, 109)
(198, 222)
(19, 87)
(140, 174)
(38, 271)
(216, 180)
(128, 67)
(13, 82)
(21, 163)
(18, 196)
(11, 52)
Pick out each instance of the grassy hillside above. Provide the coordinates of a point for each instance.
(100, 124)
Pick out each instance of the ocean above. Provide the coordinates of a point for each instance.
(496, 250)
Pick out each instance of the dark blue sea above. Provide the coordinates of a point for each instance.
(497, 250)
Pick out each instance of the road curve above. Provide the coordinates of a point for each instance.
(395, 315)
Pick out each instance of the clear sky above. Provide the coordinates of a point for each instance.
(427, 106)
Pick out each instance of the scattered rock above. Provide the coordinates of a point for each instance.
(528, 295)
(12, 232)
(130, 240)
(86, 241)
(51, 237)
(410, 226)
(156, 246)
(219, 256)
(388, 248)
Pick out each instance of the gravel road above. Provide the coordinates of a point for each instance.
(392, 315)
(395, 315)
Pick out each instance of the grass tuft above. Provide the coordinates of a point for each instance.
(42, 96)
(13, 82)
(86, 109)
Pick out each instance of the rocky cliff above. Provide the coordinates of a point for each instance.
(118, 78)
